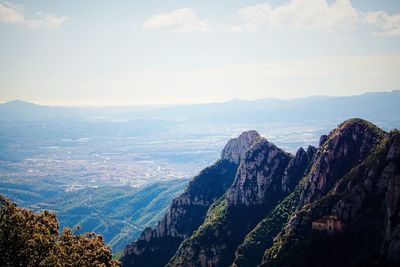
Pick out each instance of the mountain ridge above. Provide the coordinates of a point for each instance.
(374, 106)
(187, 211)
(264, 217)
(369, 93)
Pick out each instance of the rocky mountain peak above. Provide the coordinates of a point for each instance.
(261, 170)
(235, 149)
(356, 127)
(364, 196)
(345, 147)
(259, 200)
(187, 211)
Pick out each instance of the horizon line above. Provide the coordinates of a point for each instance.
(40, 103)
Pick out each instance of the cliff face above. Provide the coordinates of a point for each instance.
(250, 252)
(263, 214)
(259, 177)
(364, 195)
(156, 246)
(258, 187)
(297, 168)
(345, 147)
(237, 147)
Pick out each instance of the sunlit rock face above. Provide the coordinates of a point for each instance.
(187, 211)
(259, 176)
(267, 173)
(237, 147)
(268, 204)
(265, 176)
(345, 147)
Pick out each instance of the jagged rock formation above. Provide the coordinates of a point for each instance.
(156, 246)
(258, 187)
(297, 168)
(264, 216)
(261, 171)
(345, 147)
(250, 252)
(364, 195)
(236, 147)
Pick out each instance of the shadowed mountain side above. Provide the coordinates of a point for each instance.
(156, 246)
(266, 215)
(366, 200)
(258, 187)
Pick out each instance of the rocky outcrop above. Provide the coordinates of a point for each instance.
(264, 215)
(267, 172)
(364, 195)
(237, 147)
(297, 168)
(251, 251)
(257, 188)
(186, 212)
(259, 177)
(345, 147)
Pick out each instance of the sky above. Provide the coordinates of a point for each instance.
(99, 52)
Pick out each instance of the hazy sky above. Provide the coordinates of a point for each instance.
(167, 52)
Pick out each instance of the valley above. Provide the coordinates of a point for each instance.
(117, 176)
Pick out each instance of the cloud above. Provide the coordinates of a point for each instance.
(384, 23)
(13, 14)
(10, 14)
(301, 14)
(46, 20)
(180, 20)
(315, 14)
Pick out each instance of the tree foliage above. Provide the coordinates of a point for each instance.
(33, 239)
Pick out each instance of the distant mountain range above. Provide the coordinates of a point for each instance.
(371, 106)
(334, 205)
(255, 206)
